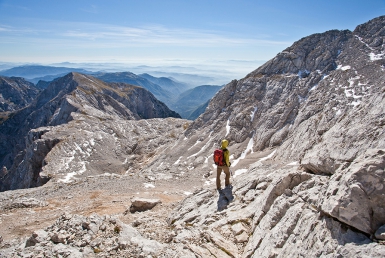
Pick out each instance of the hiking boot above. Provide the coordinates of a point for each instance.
(231, 198)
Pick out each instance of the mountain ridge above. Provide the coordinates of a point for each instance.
(56, 106)
(34, 71)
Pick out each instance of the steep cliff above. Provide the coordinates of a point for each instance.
(16, 93)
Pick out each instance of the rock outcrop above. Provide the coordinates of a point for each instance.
(278, 212)
(79, 236)
(142, 204)
(15, 93)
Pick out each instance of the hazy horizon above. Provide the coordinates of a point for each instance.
(217, 38)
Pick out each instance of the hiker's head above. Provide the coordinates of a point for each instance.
(225, 143)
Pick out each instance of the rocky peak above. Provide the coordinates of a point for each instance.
(372, 33)
(316, 52)
(317, 81)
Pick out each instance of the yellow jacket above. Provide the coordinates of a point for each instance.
(226, 152)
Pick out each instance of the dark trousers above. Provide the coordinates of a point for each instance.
(227, 173)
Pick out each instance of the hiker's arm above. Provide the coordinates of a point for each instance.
(227, 159)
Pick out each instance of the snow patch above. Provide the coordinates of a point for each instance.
(211, 181)
(148, 185)
(67, 178)
(348, 92)
(253, 113)
(198, 141)
(268, 156)
(355, 103)
(294, 163)
(245, 152)
(314, 87)
(203, 148)
(177, 162)
(187, 193)
(344, 68)
(239, 172)
(374, 57)
(227, 127)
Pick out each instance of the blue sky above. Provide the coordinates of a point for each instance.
(236, 35)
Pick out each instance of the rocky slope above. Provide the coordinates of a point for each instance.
(73, 93)
(318, 105)
(16, 93)
(307, 152)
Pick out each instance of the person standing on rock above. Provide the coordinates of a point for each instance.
(223, 163)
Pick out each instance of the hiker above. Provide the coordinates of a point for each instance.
(223, 164)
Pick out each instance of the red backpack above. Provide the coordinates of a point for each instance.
(219, 158)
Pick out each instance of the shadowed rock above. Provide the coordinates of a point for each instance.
(142, 204)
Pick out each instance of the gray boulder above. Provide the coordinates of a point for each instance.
(355, 194)
(143, 204)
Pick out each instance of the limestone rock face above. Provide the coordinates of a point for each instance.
(320, 101)
(284, 219)
(16, 93)
(319, 104)
(355, 194)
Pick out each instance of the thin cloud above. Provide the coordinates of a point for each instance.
(92, 9)
(17, 7)
(101, 35)
(159, 35)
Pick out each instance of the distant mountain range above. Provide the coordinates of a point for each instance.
(180, 96)
(34, 73)
(169, 84)
(131, 78)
